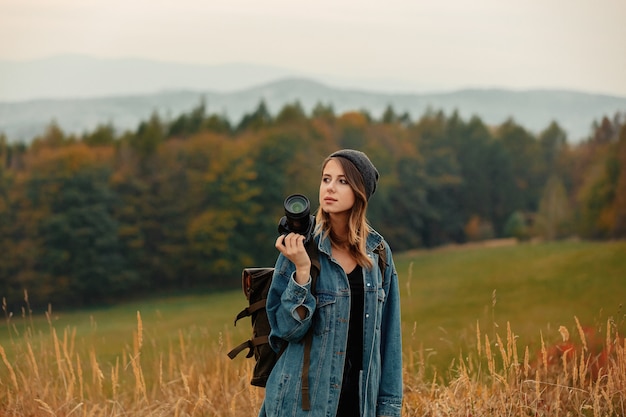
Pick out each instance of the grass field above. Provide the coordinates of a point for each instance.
(481, 324)
(535, 287)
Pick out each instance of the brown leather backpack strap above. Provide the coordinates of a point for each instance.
(382, 259)
(313, 253)
(238, 349)
(306, 363)
(259, 340)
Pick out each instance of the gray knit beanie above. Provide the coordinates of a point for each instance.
(364, 166)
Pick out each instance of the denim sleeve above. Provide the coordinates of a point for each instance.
(391, 386)
(284, 297)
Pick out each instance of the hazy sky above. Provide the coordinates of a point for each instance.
(442, 44)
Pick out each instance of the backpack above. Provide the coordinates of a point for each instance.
(256, 283)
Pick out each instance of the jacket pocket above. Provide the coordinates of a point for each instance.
(324, 311)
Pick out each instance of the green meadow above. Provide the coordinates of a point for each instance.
(535, 288)
(446, 293)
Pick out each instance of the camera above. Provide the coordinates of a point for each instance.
(297, 218)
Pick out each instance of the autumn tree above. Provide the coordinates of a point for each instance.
(619, 226)
(52, 137)
(599, 192)
(221, 234)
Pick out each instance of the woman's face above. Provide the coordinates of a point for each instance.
(336, 195)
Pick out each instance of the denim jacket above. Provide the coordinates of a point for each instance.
(328, 312)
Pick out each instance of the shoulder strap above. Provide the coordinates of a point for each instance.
(314, 255)
(382, 258)
(313, 252)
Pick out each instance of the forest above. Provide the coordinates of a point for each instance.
(184, 204)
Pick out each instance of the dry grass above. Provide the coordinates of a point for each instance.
(500, 379)
(58, 373)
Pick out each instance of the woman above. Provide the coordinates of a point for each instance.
(356, 356)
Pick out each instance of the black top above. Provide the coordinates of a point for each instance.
(355, 330)
(349, 402)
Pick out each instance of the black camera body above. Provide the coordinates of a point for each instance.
(298, 217)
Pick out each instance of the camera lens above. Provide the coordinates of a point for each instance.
(297, 218)
(297, 204)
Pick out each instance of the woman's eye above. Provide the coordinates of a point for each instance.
(343, 181)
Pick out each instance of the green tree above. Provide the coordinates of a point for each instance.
(527, 163)
(389, 115)
(218, 124)
(471, 143)
(322, 111)
(442, 180)
(189, 123)
(103, 135)
(552, 141)
(406, 209)
(148, 137)
(258, 119)
(137, 224)
(8, 267)
(516, 226)
(291, 113)
(80, 241)
(505, 197)
(54, 215)
(553, 218)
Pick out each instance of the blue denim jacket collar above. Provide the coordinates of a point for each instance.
(373, 241)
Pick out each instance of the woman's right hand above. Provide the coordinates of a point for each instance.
(292, 247)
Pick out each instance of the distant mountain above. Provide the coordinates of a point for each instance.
(534, 110)
(80, 92)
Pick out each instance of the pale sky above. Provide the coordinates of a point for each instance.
(435, 45)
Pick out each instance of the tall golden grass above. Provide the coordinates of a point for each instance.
(499, 379)
(57, 372)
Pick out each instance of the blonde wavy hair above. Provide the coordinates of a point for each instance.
(358, 226)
